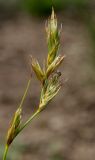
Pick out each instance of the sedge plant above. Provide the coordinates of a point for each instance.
(48, 76)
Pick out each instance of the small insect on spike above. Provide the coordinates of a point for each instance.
(54, 65)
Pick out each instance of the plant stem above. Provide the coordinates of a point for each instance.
(29, 120)
(25, 93)
(5, 152)
(23, 98)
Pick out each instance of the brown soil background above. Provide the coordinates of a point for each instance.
(66, 129)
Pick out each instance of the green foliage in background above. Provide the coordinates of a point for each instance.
(44, 6)
(78, 4)
(40, 7)
(90, 24)
(56, 156)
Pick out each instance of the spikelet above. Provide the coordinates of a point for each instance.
(37, 69)
(53, 37)
(49, 91)
(15, 124)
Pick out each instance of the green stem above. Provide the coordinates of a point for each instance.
(5, 152)
(25, 93)
(29, 120)
(23, 98)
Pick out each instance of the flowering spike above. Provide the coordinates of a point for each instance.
(49, 78)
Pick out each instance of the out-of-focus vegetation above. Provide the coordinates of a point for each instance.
(15, 154)
(44, 6)
(40, 7)
(90, 24)
(56, 157)
(17, 150)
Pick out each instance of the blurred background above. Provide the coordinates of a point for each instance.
(66, 129)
